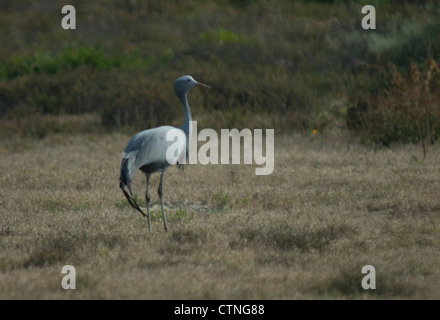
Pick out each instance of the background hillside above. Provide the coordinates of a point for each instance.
(336, 200)
(289, 65)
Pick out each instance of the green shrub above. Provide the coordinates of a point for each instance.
(69, 58)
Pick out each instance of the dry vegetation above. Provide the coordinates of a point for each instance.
(305, 231)
(69, 101)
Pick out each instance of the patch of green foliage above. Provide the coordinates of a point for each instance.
(222, 35)
(219, 198)
(181, 215)
(69, 58)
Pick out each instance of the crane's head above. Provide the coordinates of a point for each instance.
(184, 83)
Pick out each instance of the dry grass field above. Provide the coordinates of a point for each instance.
(305, 232)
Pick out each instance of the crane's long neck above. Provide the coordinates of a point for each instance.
(187, 125)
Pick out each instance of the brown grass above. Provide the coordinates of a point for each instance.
(303, 232)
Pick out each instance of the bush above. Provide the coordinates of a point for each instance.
(70, 58)
(405, 107)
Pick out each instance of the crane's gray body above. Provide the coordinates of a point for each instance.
(147, 150)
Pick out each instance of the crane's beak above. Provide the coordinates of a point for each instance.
(199, 84)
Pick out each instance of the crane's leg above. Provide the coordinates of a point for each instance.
(147, 198)
(161, 202)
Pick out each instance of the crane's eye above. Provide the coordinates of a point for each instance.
(188, 80)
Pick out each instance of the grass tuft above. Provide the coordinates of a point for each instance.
(284, 237)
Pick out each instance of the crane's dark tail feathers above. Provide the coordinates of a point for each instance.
(125, 181)
(131, 200)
